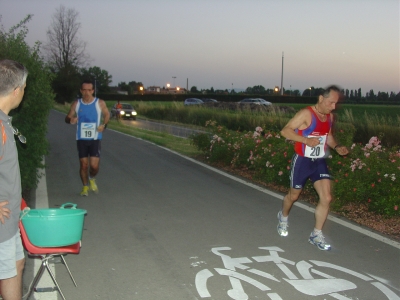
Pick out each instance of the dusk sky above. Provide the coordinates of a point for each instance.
(233, 43)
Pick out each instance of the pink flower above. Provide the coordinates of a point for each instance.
(396, 207)
(373, 184)
(280, 173)
(374, 141)
(354, 189)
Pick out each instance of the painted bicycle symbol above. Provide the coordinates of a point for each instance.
(303, 280)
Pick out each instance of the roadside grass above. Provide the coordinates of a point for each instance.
(180, 145)
(164, 139)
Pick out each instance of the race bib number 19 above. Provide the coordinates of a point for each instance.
(317, 151)
(88, 130)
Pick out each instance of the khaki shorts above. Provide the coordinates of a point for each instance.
(11, 251)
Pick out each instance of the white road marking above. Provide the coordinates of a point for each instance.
(42, 201)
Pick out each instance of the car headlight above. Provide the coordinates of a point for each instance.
(134, 113)
(122, 112)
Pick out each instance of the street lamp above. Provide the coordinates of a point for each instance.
(310, 92)
(141, 89)
(173, 79)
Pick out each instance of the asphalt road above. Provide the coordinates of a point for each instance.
(165, 227)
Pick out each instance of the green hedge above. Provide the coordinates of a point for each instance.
(32, 115)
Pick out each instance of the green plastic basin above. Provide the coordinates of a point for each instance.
(54, 227)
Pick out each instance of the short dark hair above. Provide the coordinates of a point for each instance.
(325, 92)
(87, 81)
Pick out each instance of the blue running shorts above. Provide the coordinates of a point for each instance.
(304, 168)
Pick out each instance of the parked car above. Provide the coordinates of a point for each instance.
(192, 101)
(126, 112)
(258, 101)
(209, 100)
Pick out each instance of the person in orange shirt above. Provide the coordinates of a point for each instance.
(118, 107)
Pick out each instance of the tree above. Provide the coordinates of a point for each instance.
(193, 89)
(257, 89)
(100, 77)
(131, 87)
(63, 47)
(32, 114)
(65, 53)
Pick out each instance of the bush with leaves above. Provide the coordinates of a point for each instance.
(32, 114)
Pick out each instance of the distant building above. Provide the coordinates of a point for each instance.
(153, 89)
(170, 90)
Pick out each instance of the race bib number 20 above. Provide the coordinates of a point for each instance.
(317, 151)
(88, 130)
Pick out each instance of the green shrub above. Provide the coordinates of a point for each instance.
(32, 115)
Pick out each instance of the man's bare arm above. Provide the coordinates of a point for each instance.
(71, 116)
(299, 121)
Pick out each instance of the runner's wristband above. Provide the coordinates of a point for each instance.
(105, 126)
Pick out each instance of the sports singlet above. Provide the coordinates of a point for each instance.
(319, 129)
(89, 117)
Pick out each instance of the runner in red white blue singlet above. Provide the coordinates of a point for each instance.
(318, 129)
(310, 129)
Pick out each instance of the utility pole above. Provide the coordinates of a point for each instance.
(282, 77)
(173, 79)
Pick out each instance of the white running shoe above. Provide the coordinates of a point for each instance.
(282, 226)
(319, 241)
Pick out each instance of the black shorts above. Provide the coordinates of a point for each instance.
(90, 148)
(304, 168)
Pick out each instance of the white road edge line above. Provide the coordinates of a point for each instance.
(42, 201)
(303, 206)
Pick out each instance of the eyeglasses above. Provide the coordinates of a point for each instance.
(21, 138)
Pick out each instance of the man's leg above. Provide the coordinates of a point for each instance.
(84, 170)
(287, 204)
(11, 288)
(94, 166)
(323, 188)
(289, 199)
(94, 169)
